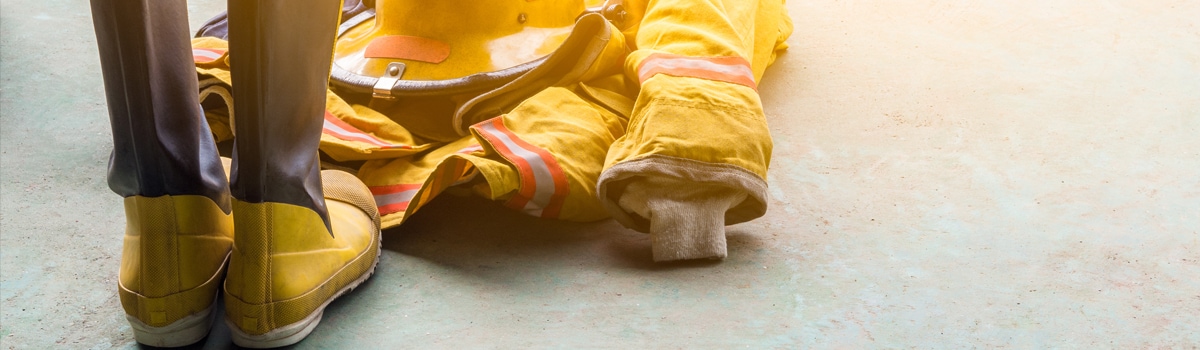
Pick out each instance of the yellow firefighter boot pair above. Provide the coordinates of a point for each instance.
(284, 269)
(287, 266)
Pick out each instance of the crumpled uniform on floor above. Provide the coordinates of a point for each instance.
(668, 138)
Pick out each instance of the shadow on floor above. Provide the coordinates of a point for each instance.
(472, 232)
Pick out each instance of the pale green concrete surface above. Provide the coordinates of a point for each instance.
(992, 174)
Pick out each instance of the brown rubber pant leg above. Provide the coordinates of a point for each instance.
(280, 54)
(161, 143)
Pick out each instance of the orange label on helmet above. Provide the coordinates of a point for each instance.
(408, 48)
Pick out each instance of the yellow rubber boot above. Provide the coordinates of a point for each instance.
(286, 266)
(174, 254)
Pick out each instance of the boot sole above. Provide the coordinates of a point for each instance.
(295, 332)
(185, 331)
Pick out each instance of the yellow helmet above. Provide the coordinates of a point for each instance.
(447, 39)
(436, 58)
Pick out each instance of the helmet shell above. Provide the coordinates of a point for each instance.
(448, 39)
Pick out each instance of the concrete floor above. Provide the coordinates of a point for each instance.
(994, 174)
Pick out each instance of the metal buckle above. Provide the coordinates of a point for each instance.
(383, 87)
(613, 10)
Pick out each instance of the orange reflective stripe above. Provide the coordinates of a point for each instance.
(339, 129)
(730, 69)
(543, 187)
(450, 172)
(470, 149)
(394, 198)
(202, 55)
(406, 199)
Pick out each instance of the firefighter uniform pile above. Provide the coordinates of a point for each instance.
(654, 120)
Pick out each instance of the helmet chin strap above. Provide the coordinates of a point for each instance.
(566, 65)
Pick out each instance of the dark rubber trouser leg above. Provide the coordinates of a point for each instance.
(280, 54)
(161, 143)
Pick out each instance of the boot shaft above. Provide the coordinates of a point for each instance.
(161, 143)
(280, 58)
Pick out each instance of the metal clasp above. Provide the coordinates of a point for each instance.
(613, 10)
(383, 87)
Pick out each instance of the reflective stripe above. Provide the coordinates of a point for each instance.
(339, 129)
(406, 199)
(470, 149)
(201, 55)
(543, 185)
(394, 198)
(450, 172)
(730, 69)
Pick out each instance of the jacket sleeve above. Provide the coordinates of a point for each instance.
(695, 155)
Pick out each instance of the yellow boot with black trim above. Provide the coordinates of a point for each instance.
(164, 164)
(171, 264)
(287, 267)
(303, 236)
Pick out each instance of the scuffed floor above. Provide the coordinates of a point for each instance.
(946, 174)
